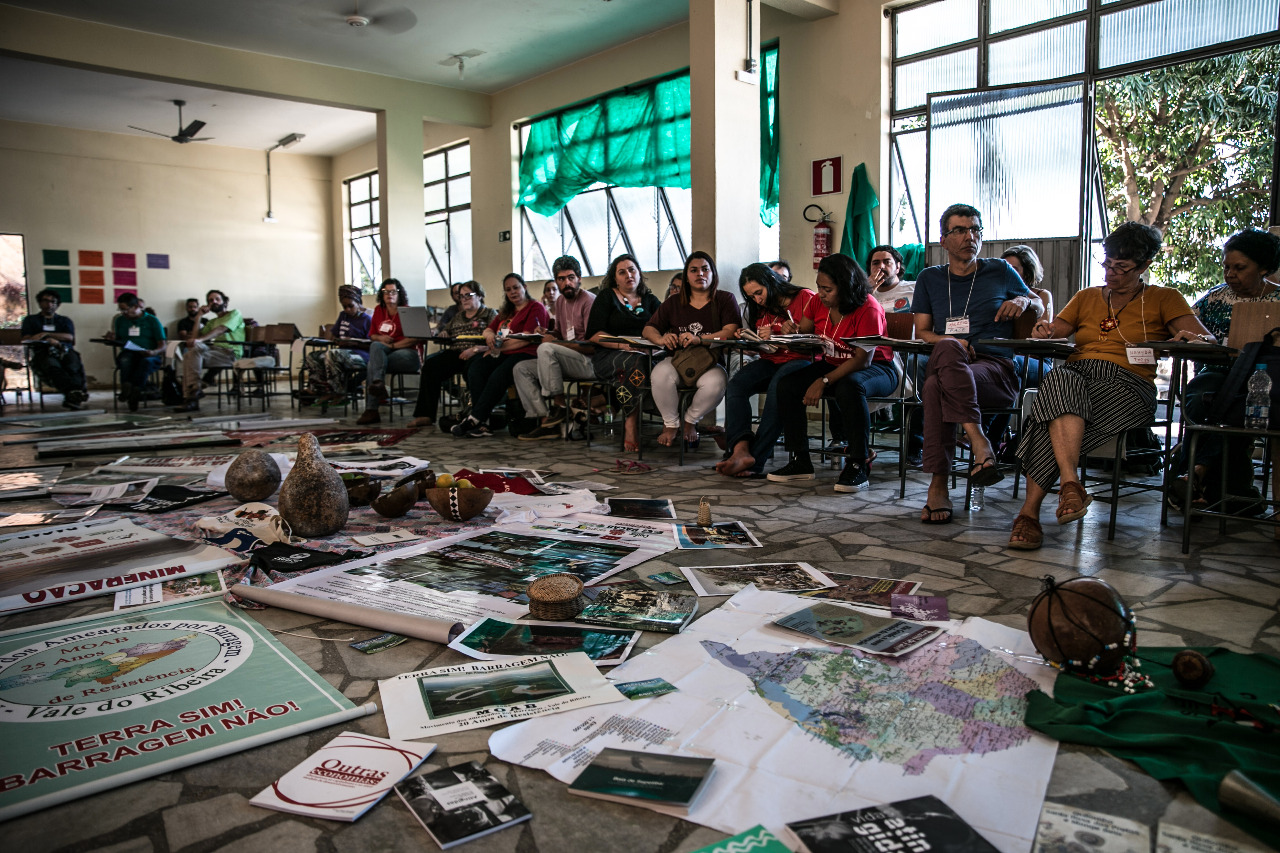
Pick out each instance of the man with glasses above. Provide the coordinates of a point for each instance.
(541, 379)
(956, 304)
(52, 353)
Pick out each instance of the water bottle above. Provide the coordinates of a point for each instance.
(1257, 406)
(976, 496)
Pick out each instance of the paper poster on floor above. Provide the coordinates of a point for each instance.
(799, 729)
(93, 705)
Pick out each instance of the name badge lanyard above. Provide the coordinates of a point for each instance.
(959, 325)
(1134, 353)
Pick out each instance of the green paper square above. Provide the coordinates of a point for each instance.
(64, 294)
(52, 276)
(57, 258)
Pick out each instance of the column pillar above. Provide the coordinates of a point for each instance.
(404, 249)
(725, 156)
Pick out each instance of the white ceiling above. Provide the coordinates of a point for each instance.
(519, 39)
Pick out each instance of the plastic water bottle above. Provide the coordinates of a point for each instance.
(976, 497)
(1257, 406)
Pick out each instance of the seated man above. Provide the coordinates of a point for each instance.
(957, 303)
(542, 378)
(54, 359)
(189, 323)
(143, 351)
(226, 325)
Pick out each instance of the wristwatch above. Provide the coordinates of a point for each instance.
(826, 381)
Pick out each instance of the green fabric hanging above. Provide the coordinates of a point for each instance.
(770, 140)
(635, 138)
(859, 217)
(1194, 736)
(913, 260)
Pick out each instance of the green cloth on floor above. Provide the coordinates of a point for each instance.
(1175, 733)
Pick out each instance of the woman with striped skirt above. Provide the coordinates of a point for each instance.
(1104, 389)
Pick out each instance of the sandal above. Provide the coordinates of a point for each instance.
(1073, 502)
(1027, 535)
(630, 466)
(985, 473)
(926, 517)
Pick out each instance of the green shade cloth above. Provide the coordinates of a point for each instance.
(638, 137)
(57, 258)
(770, 140)
(913, 260)
(860, 216)
(1175, 733)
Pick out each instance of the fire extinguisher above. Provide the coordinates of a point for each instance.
(823, 232)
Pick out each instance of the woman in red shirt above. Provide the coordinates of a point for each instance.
(850, 374)
(389, 349)
(774, 306)
(490, 375)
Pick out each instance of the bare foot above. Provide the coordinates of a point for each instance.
(668, 436)
(690, 432)
(737, 463)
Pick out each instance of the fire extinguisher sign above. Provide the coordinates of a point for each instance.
(826, 176)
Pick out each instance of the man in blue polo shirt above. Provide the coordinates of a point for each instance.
(957, 304)
(52, 354)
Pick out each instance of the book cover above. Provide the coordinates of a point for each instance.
(1175, 839)
(1069, 828)
(864, 590)
(624, 775)
(835, 623)
(757, 839)
(639, 608)
(922, 823)
(344, 778)
(458, 804)
(922, 608)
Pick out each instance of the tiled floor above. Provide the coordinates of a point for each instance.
(1224, 593)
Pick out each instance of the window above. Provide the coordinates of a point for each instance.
(364, 257)
(446, 203)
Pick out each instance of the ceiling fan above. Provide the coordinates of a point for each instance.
(185, 134)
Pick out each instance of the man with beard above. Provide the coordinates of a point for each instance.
(541, 379)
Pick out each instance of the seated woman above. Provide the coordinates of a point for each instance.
(1247, 259)
(700, 313)
(389, 349)
(472, 318)
(550, 292)
(490, 375)
(851, 375)
(134, 326)
(622, 308)
(773, 306)
(1026, 263)
(1099, 392)
(329, 368)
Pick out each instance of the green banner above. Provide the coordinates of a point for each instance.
(89, 705)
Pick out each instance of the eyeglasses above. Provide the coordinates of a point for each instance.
(960, 231)
(1115, 267)
(465, 295)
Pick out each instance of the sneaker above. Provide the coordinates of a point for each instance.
(852, 479)
(796, 469)
(545, 432)
(837, 447)
(479, 431)
(464, 426)
(369, 416)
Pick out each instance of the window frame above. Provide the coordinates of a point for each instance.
(446, 271)
(357, 271)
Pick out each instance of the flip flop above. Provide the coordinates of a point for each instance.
(985, 473)
(631, 466)
(928, 518)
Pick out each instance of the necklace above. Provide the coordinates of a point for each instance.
(1111, 322)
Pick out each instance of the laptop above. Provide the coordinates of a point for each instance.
(1250, 321)
(415, 322)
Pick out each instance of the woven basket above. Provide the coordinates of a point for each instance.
(556, 597)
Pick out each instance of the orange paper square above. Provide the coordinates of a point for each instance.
(91, 295)
(91, 278)
(90, 259)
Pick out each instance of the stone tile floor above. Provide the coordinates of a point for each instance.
(1224, 593)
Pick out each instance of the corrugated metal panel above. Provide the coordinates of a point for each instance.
(913, 81)
(1007, 14)
(1043, 55)
(935, 25)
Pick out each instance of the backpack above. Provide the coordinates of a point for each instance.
(170, 389)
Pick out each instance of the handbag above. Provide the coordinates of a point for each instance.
(691, 362)
(1228, 403)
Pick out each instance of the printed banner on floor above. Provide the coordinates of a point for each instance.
(93, 705)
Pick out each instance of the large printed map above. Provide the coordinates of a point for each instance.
(952, 697)
(801, 729)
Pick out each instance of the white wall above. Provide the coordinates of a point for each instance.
(201, 204)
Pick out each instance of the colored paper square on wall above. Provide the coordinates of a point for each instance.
(92, 278)
(121, 291)
(157, 262)
(64, 293)
(91, 295)
(124, 278)
(90, 259)
(124, 260)
(57, 258)
(57, 277)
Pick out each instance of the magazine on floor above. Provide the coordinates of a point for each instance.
(638, 607)
(921, 823)
(501, 639)
(863, 590)
(773, 577)
(459, 804)
(628, 775)
(25, 483)
(836, 623)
